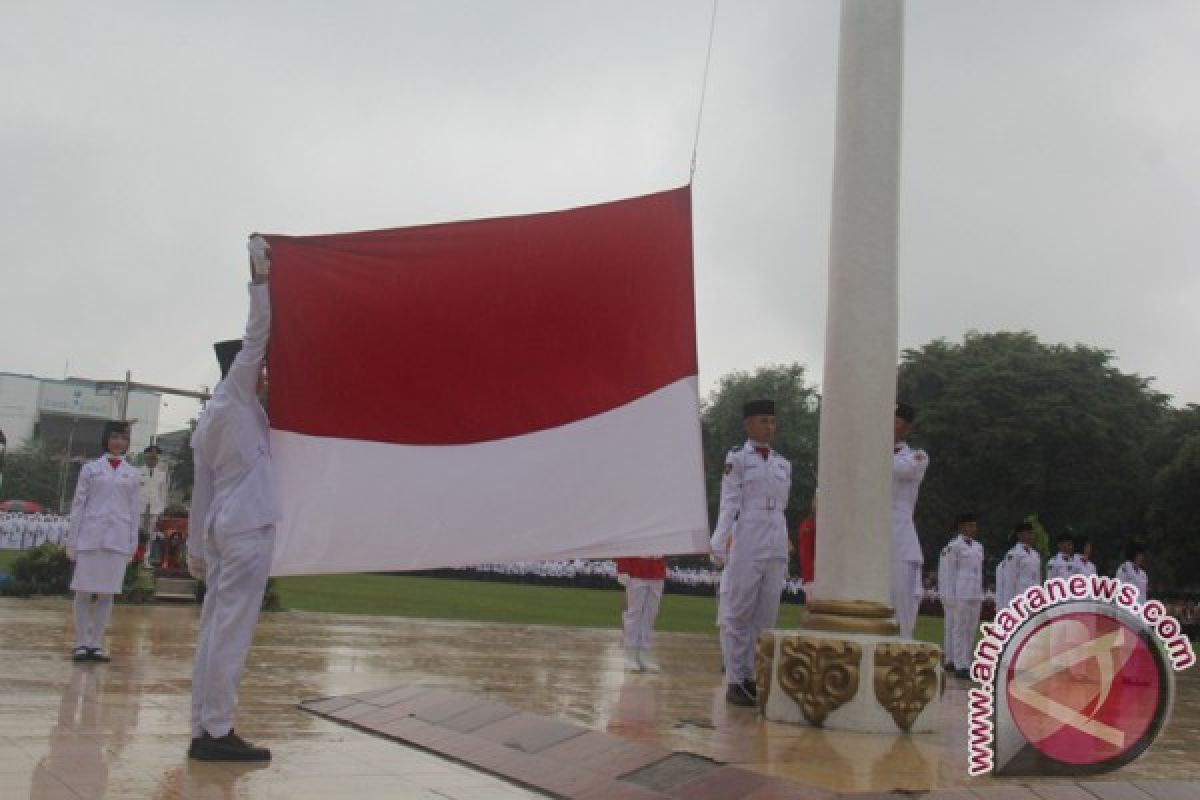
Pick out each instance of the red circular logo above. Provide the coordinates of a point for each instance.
(1084, 689)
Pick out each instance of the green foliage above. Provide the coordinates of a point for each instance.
(1173, 549)
(796, 440)
(31, 473)
(1015, 426)
(44, 569)
(1041, 539)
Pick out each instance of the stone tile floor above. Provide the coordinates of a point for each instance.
(120, 730)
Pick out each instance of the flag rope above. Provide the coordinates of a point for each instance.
(712, 24)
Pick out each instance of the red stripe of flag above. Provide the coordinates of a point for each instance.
(474, 331)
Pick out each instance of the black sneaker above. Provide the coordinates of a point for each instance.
(229, 747)
(737, 694)
(80, 654)
(965, 674)
(96, 654)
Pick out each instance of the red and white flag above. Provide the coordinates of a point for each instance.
(498, 390)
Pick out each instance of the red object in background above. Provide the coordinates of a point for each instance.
(26, 506)
(807, 548)
(649, 569)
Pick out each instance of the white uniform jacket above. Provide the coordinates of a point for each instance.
(1060, 566)
(908, 470)
(1021, 569)
(964, 569)
(154, 488)
(1084, 566)
(754, 494)
(107, 507)
(1130, 572)
(234, 488)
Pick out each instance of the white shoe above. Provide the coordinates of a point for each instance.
(632, 662)
(648, 664)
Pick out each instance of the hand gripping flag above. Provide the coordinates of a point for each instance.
(496, 390)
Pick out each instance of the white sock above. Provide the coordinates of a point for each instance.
(102, 611)
(83, 617)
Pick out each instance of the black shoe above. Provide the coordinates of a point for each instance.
(750, 686)
(949, 667)
(965, 674)
(80, 654)
(737, 694)
(229, 747)
(96, 654)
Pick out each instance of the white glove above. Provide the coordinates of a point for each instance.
(197, 567)
(260, 255)
(622, 579)
(71, 552)
(717, 560)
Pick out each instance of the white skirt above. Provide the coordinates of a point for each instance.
(99, 571)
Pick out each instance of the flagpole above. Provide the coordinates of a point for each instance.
(846, 668)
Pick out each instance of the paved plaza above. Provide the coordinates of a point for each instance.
(121, 730)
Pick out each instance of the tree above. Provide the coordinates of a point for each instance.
(31, 473)
(1014, 426)
(1173, 549)
(796, 440)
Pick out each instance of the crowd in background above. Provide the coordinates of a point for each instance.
(20, 531)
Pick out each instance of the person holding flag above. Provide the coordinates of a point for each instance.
(232, 525)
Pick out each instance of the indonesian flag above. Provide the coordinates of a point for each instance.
(498, 390)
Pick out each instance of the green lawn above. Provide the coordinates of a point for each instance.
(485, 601)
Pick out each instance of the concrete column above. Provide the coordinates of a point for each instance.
(853, 550)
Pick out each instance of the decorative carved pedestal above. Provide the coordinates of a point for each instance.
(849, 681)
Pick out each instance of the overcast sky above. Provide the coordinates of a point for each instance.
(1051, 161)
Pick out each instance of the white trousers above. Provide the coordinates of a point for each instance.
(949, 626)
(642, 599)
(92, 612)
(238, 565)
(749, 606)
(906, 595)
(966, 622)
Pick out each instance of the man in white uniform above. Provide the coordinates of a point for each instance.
(963, 589)
(1083, 556)
(908, 469)
(752, 530)
(154, 488)
(1021, 568)
(232, 527)
(1062, 564)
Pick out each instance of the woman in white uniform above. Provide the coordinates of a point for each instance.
(1134, 570)
(103, 536)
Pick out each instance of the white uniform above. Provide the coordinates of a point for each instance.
(232, 525)
(103, 536)
(908, 470)
(964, 586)
(1021, 569)
(1060, 566)
(1084, 566)
(154, 494)
(947, 598)
(104, 520)
(754, 494)
(1130, 572)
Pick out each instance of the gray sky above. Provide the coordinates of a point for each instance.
(1051, 161)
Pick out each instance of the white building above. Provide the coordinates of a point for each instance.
(69, 415)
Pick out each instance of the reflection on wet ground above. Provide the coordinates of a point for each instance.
(71, 731)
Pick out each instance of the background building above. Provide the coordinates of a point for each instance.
(67, 416)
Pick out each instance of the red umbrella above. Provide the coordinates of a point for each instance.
(23, 506)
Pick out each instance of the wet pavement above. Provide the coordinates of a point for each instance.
(121, 729)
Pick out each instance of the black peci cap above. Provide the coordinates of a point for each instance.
(756, 408)
(226, 352)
